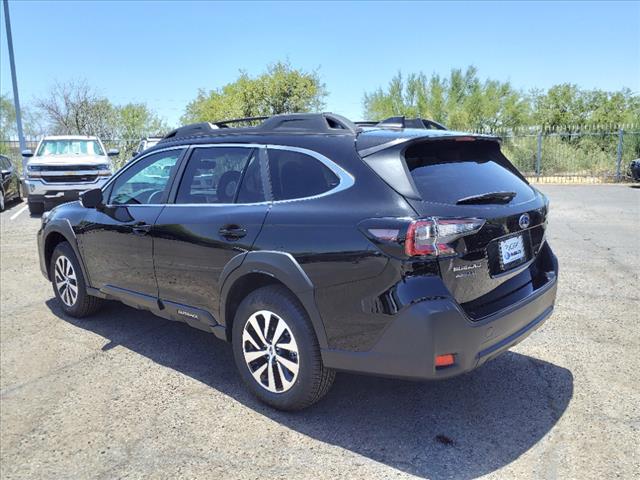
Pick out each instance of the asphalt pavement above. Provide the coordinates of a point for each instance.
(128, 395)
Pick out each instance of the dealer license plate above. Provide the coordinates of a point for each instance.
(512, 251)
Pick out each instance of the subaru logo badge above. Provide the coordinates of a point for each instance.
(524, 221)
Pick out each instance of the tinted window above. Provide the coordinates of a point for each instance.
(147, 181)
(297, 175)
(4, 163)
(214, 174)
(448, 171)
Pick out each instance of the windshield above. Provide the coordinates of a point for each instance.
(70, 147)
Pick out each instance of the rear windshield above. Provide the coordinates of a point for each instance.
(449, 171)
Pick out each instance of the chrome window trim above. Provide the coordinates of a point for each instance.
(345, 179)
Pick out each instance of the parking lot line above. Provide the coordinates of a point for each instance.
(15, 215)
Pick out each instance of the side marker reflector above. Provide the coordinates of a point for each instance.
(445, 360)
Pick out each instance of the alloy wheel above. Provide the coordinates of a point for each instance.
(270, 351)
(66, 281)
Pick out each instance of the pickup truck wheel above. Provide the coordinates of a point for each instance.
(1, 200)
(277, 352)
(35, 208)
(69, 285)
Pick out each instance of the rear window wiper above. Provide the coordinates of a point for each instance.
(491, 197)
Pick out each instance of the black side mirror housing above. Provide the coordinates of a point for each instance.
(113, 152)
(27, 153)
(91, 198)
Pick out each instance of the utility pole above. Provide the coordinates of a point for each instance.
(14, 80)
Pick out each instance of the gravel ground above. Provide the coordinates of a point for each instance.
(128, 395)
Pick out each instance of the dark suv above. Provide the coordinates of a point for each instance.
(314, 244)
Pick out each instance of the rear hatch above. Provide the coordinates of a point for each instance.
(464, 178)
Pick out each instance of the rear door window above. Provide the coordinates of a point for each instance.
(449, 171)
(298, 175)
(214, 175)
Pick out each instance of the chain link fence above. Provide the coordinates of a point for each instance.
(573, 155)
(592, 154)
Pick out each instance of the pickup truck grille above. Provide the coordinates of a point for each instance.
(69, 178)
(64, 168)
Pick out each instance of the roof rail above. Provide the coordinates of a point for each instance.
(225, 123)
(289, 123)
(402, 122)
(309, 122)
(192, 130)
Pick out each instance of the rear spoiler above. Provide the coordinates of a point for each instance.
(366, 148)
(402, 122)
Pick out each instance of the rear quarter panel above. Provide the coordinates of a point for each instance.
(345, 268)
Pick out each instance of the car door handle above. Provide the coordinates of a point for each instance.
(232, 231)
(141, 228)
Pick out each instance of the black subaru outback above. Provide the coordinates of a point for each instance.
(314, 244)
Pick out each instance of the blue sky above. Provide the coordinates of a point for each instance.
(161, 52)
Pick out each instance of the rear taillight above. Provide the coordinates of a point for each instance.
(434, 236)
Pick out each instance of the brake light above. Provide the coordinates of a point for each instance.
(434, 236)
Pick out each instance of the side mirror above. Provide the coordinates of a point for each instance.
(91, 198)
(27, 153)
(113, 152)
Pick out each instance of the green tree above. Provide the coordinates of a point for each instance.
(74, 108)
(566, 106)
(134, 121)
(461, 100)
(7, 117)
(281, 89)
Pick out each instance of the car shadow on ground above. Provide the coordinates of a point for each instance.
(462, 428)
(13, 205)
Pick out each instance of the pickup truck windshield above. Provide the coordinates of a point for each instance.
(69, 147)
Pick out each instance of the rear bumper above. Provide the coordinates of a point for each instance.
(408, 347)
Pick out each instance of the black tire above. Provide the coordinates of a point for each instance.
(35, 208)
(2, 201)
(313, 379)
(83, 304)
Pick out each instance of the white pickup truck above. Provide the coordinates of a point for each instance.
(62, 167)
